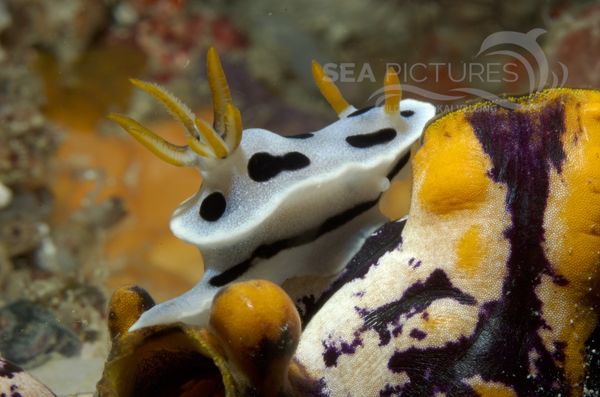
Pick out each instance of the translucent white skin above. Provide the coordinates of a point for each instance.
(339, 177)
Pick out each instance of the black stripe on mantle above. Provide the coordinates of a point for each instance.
(267, 251)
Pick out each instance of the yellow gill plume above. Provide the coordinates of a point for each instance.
(202, 139)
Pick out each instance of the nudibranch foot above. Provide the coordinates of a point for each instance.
(279, 207)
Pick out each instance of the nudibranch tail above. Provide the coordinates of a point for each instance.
(393, 91)
(331, 93)
(202, 139)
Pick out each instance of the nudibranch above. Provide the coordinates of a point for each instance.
(277, 207)
(492, 289)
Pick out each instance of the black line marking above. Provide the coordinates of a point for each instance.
(300, 136)
(398, 166)
(266, 251)
(360, 111)
(263, 166)
(385, 320)
(407, 113)
(364, 141)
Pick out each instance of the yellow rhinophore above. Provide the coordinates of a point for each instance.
(329, 91)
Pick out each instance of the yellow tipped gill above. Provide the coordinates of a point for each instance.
(212, 137)
(233, 127)
(173, 105)
(179, 111)
(329, 90)
(172, 154)
(392, 91)
(219, 89)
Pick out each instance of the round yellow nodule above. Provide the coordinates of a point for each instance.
(259, 327)
(125, 307)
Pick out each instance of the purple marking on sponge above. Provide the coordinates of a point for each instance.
(522, 146)
(390, 391)
(417, 334)
(414, 300)
(397, 331)
(332, 352)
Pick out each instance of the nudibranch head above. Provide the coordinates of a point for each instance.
(278, 207)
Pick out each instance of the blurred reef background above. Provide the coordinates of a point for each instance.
(84, 209)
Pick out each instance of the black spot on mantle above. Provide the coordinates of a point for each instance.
(407, 113)
(213, 206)
(364, 141)
(263, 166)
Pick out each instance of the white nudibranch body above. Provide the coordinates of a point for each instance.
(277, 207)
